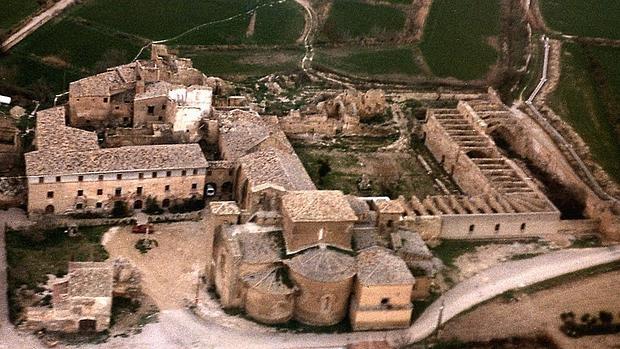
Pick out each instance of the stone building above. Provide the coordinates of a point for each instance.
(324, 277)
(269, 296)
(382, 291)
(314, 217)
(113, 97)
(70, 173)
(81, 301)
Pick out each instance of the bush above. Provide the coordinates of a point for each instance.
(120, 209)
(187, 205)
(152, 207)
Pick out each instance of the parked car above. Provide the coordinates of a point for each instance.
(142, 228)
(210, 190)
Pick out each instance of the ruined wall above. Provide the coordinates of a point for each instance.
(321, 303)
(300, 235)
(151, 110)
(429, 227)
(65, 193)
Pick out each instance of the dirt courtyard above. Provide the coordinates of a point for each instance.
(539, 313)
(171, 271)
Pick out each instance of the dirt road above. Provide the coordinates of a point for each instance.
(34, 24)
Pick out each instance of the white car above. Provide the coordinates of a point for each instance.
(210, 190)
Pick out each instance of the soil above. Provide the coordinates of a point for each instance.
(539, 313)
(171, 271)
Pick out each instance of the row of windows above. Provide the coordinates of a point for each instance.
(118, 191)
(497, 226)
(119, 176)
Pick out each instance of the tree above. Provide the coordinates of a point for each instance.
(152, 207)
(120, 209)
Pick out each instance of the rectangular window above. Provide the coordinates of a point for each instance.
(80, 192)
(163, 107)
(80, 178)
(183, 173)
(168, 173)
(154, 174)
(100, 177)
(150, 109)
(99, 205)
(41, 179)
(230, 172)
(139, 190)
(167, 188)
(471, 228)
(79, 206)
(50, 194)
(99, 191)
(194, 185)
(119, 176)
(105, 100)
(57, 178)
(140, 175)
(118, 191)
(209, 172)
(195, 172)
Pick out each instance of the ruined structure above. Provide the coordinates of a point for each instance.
(81, 301)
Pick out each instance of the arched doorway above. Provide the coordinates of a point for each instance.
(137, 205)
(165, 203)
(49, 209)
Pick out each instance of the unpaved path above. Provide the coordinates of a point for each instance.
(35, 23)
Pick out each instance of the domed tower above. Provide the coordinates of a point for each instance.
(269, 296)
(324, 278)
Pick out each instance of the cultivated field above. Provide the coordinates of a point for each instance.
(387, 62)
(458, 36)
(588, 98)
(595, 18)
(14, 11)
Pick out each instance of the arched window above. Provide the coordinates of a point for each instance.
(165, 203)
(137, 205)
(49, 209)
(327, 303)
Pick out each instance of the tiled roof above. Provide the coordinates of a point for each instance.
(271, 280)
(391, 206)
(323, 264)
(102, 84)
(52, 134)
(380, 266)
(317, 206)
(273, 167)
(132, 158)
(242, 132)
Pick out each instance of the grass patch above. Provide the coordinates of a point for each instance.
(352, 19)
(455, 38)
(14, 11)
(449, 250)
(596, 18)
(372, 61)
(588, 98)
(33, 255)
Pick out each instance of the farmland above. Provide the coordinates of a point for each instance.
(15, 11)
(587, 97)
(382, 61)
(351, 19)
(594, 18)
(456, 38)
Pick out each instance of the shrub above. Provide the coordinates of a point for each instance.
(152, 207)
(120, 209)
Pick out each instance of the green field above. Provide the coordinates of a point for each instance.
(351, 19)
(97, 34)
(13, 11)
(588, 97)
(455, 37)
(393, 61)
(595, 18)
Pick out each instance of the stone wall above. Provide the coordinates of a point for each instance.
(269, 308)
(321, 303)
(65, 196)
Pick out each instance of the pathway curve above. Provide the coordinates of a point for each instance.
(35, 23)
(181, 329)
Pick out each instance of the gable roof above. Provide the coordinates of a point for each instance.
(276, 168)
(317, 206)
